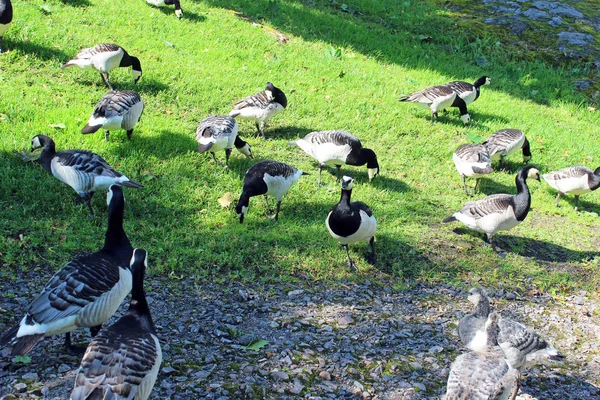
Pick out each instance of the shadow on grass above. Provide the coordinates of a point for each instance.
(558, 386)
(40, 51)
(76, 3)
(542, 250)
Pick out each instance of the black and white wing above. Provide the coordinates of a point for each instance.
(502, 140)
(85, 162)
(363, 207)
(116, 103)
(493, 204)
(429, 95)
(259, 100)
(215, 126)
(97, 49)
(276, 168)
(568, 173)
(338, 138)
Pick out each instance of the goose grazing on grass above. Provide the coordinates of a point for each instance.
(522, 347)
(498, 212)
(469, 92)
(505, 142)
(350, 222)
(573, 180)
(6, 16)
(267, 178)
(220, 133)
(158, 3)
(104, 58)
(438, 98)
(472, 161)
(84, 171)
(84, 293)
(483, 376)
(338, 148)
(120, 109)
(123, 360)
(261, 107)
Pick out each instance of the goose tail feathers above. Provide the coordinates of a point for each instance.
(9, 335)
(294, 143)
(449, 219)
(403, 97)
(26, 343)
(67, 65)
(483, 171)
(132, 184)
(90, 128)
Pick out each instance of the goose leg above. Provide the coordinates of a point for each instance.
(87, 199)
(106, 135)
(277, 211)
(339, 173)
(215, 158)
(227, 155)
(106, 81)
(476, 183)
(262, 130)
(576, 202)
(71, 348)
(351, 264)
(320, 169)
(372, 258)
(129, 133)
(464, 179)
(269, 210)
(558, 198)
(433, 114)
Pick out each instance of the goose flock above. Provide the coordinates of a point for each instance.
(123, 360)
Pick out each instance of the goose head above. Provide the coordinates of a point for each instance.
(347, 182)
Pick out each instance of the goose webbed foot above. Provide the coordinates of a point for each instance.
(74, 350)
(576, 203)
(129, 133)
(106, 81)
(351, 264)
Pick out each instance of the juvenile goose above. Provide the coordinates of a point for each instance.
(120, 109)
(84, 293)
(498, 212)
(338, 148)
(473, 161)
(84, 171)
(6, 16)
(573, 180)
(267, 177)
(158, 3)
(220, 133)
(438, 98)
(469, 92)
(522, 347)
(505, 142)
(483, 376)
(261, 107)
(104, 58)
(123, 360)
(350, 222)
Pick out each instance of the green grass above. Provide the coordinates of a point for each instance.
(342, 68)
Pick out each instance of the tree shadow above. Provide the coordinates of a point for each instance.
(42, 52)
(76, 3)
(490, 186)
(150, 86)
(288, 132)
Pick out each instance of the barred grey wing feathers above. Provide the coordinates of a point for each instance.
(496, 203)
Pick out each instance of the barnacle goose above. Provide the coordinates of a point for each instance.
(350, 222)
(220, 133)
(472, 161)
(469, 92)
(498, 212)
(483, 376)
(6, 16)
(505, 142)
(261, 106)
(158, 3)
(84, 171)
(522, 347)
(104, 58)
(338, 148)
(438, 98)
(267, 177)
(120, 109)
(84, 293)
(573, 180)
(123, 360)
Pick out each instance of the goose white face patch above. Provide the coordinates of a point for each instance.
(109, 196)
(243, 213)
(35, 143)
(347, 182)
(533, 173)
(373, 172)
(136, 74)
(179, 13)
(465, 119)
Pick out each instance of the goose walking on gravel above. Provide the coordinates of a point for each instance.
(6, 16)
(158, 3)
(351, 222)
(338, 148)
(220, 133)
(261, 107)
(104, 58)
(467, 91)
(573, 180)
(505, 142)
(84, 293)
(267, 177)
(498, 212)
(123, 360)
(483, 376)
(84, 171)
(472, 161)
(120, 109)
(438, 98)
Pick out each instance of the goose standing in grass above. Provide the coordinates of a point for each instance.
(505, 142)
(120, 109)
(84, 293)
(84, 171)
(267, 177)
(158, 3)
(469, 92)
(123, 360)
(261, 107)
(498, 212)
(472, 161)
(220, 133)
(438, 98)
(104, 58)
(338, 148)
(483, 376)
(522, 347)
(6, 16)
(573, 180)
(351, 222)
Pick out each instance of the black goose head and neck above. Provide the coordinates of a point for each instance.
(278, 95)
(116, 240)
(138, 306)
(48, 151)
(347, 185)
(6, 12)
(522, 200)
(594, 179)
(178, 10)
(526, 149)
(361, 156)
(134, 63)
(243, 147)
(484, 80)
(479, 298)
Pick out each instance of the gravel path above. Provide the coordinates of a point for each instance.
(347, 341)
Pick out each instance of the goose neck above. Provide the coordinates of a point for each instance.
(523, 197)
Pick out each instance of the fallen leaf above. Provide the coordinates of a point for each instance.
(226, 200)
(58, 126)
